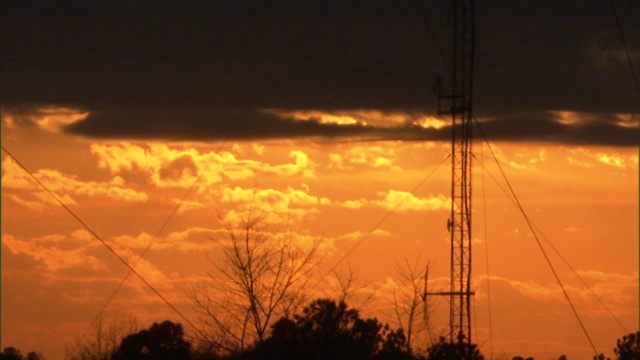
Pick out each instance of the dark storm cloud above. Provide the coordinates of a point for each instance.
(212, 124)
(184, 123)
(181, 70)
(596, 129)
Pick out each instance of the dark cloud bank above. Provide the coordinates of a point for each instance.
(203, 70)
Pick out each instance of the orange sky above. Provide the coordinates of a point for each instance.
(56, 276)
(120, 109)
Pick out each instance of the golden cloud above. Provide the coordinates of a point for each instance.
(400, 201)
(48, 251)
(403, 201)
(613, 159)
(170, 167)
(358, 235)
(277, 206)
(63, 185)
(301, 165)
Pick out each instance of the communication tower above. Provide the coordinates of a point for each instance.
(460, 110)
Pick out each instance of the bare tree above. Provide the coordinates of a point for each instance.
(349, 287)
(261, 277)
(410, 306)
(100, 341)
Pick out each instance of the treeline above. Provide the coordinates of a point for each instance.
(11, 353)
(325, 329)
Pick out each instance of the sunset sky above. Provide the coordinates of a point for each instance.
(324, 117)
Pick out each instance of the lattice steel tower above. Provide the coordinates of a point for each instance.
(461, 113)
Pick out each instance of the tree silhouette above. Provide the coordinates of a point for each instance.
(102, 341)
(628, 347)
(160, 342)
(261, 278)
(409, 302)
(459, 350)
(330, 330)
(11, 353)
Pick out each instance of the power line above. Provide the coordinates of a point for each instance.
(535, 236)
(223, 143)
(626, 48)
(95, 235)
(562, 257)
(426, 25)
(486, 249)
(162, 227)
(383, 219)
(581, 280)
(243, 119)
(140, 257)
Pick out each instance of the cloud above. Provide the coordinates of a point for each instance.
(618, 291)
(277, 206)
(210, 123)
(48, 117)
(606, 51)
(213, 123)
(531, 289)
(559, 128)
(519, 160)
(402, 201)
(615, 161)
(180, 167)
(64, 255)
(586, 158)
(50, 251)
(66, 187)
(358, 235)
(337, 70)
(371, 156)
(213, 174)
(302, 165)
(191, 239)
(34, 205)
(147, 270)
(399, 201)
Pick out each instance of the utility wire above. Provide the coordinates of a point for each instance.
(534, 233)
(162, 227)
(141, 256)
(508, 195)
(166, 222)
(426, 25)
(243, 119)
(513, 196)
(383, 219)
(222, 144)
(626, 48)
(388, 214)
(581, 280)
(122, 260)
(486, 250)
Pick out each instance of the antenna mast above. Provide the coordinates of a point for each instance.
(459, 223)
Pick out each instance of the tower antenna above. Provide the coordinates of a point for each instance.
(460, 111)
